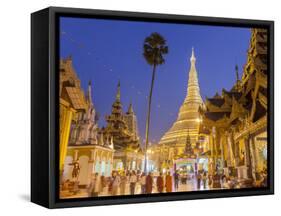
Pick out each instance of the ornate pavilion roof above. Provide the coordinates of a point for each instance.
(248, 96)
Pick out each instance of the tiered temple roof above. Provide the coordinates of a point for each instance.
(248, 97)
(117, 126)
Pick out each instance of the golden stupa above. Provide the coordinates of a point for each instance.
(188, 120)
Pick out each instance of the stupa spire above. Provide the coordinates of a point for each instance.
(118, 94)
(193, 90)
(186, 127)
(192, 58)
(89, 92)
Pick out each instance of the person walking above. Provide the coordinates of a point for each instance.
(168, 183)
(176, 180)
(133, 181)
(98, 185)
(149, 183)
(216, 181)
(204, 178)
(103, 183)
(123, 184)
(109, 182)
(160, 183)
(198, 177)
(115, 183)
(142, 182)
(91, 187)
(65, 185)
(210, 180)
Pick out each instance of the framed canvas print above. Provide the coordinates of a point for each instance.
(138, 107)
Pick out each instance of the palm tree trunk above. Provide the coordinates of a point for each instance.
(148, 118)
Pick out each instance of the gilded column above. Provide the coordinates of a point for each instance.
(229, 150)
(90, 171)
(220, 139)
(236, 149)
(91, 164)
(253, 157)
(65, 123)
(247, 155)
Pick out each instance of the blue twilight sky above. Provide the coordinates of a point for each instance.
(105, 51)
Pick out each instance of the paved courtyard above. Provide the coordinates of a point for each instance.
(191, 185)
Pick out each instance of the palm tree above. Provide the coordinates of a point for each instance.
(154, 49)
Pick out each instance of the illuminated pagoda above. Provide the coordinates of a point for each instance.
(186, 126)
(123, 130)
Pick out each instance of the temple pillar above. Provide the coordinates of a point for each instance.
(97, 162)
(253, 157)
(66, 115)
(106, 169)
(247, 156)
(217, 155)
(99, 165)
(214, 142)
(236, 149)
(212, 149)
(90, 171)
(92, 160)
(220, 140)
(229, 150)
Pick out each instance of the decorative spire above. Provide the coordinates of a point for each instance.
(89, 92)
(237, 73)
(69, 58)
(217, 95)
(130, 109)
(118, 95)
(237, 85)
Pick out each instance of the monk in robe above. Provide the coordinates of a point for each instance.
(160, 183)
(168, 183)
(149, 183)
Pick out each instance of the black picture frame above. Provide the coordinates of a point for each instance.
(45, 113)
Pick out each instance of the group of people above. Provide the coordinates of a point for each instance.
(118, 183)
(97, 185)
(132, 182)
(202, 177)
(215, 181)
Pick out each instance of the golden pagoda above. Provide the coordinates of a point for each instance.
(188, 120)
